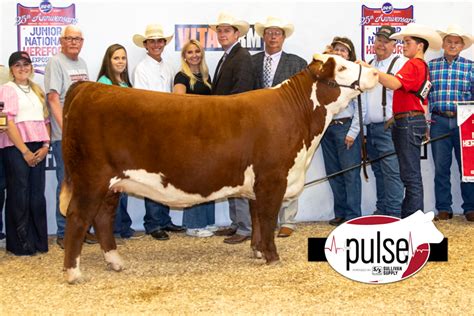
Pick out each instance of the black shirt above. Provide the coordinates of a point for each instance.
(199, 86)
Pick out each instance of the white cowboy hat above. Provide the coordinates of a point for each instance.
(421, 31)
(227, 19)
(153, 31)
(274, 22)
(456, 30)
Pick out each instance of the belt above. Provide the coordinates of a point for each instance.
(408, 114)
(447, 114)
(340, 121)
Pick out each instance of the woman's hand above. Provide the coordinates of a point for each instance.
(40, 154)
(30, 158)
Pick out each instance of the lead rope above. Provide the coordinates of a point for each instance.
(362, 138)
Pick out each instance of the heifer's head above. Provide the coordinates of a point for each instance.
(339, 80)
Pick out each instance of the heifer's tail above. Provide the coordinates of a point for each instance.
(65, 195)
(67, 186)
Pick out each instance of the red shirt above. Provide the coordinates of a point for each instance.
(411, 76)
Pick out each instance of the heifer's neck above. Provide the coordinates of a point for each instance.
(298, 91)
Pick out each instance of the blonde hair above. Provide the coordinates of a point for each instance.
(36, 89)
(203, 69)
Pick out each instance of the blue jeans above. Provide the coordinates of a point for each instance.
(387, 173)
(3, 186)
(123, 222)
(199, 216)
(345, 187)
(58, 157)
(157, 216)
(25, 219)
(442, 155)
(407, 137)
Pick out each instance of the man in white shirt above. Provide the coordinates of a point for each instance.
(378, 102)
(153, 73)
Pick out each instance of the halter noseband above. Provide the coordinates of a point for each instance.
(355, 85)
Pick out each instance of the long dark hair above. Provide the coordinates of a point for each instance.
(106, 68)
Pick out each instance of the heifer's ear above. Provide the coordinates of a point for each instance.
(328, 69)
(321, 69)
(315, 67)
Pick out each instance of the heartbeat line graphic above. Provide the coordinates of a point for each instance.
(333, 246)
(421, 248)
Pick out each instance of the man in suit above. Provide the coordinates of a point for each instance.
(271, 67)
(233, 75)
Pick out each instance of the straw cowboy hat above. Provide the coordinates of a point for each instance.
(421, 31)
(274, 22)
(456, 30)
(153, 31)
(227, 19)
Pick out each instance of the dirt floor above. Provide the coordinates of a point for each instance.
(205, 276)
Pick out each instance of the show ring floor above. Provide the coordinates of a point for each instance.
(205, 276)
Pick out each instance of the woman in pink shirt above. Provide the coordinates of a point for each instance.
(26, 144)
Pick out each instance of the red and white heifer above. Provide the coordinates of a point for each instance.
(182, 150)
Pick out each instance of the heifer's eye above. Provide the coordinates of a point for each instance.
(342, 68)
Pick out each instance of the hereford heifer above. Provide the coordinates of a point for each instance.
(185, 149)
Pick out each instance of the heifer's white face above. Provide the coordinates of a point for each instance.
(346, 73)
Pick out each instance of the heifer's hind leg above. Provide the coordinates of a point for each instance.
(256, 234)
(269, 194)
(81, 211)
(104, 225)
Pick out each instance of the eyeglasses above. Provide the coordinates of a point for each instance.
(71, 39)
(274, 33)
(21, 65)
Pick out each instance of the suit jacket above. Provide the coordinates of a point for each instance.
(288, 65)
(236, 73)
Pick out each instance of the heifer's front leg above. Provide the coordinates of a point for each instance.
(104, 224)
(269, 195)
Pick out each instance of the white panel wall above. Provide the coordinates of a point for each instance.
(316, 23)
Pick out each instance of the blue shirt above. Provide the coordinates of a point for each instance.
(451, 82)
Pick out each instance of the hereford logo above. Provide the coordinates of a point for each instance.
(373, 18)
(39, 30)
(382, 249)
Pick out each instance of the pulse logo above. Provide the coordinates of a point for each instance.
(382, 249)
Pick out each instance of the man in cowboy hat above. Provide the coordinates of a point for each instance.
(233, 75)
(452, 78)
(378, 102)
(153, 73)
(409, 103)
(62, 70)
(271, 67)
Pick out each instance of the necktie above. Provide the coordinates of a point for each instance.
(267, 72)
(219, 64)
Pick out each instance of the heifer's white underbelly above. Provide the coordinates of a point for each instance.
(150, 185)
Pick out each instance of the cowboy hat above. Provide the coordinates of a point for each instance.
(456, 30)
(227, 19)
(421, 31)
(274, 22)
(153, 31)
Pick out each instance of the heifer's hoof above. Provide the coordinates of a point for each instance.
(114, 261)
(257, 254)
(115, 267)
(73, 276)
(273, 262)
